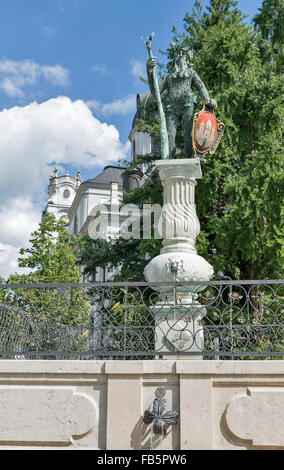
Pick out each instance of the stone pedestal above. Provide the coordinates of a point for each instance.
(178, 313)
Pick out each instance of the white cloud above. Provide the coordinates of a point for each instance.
(15, 76)
(8, 260)
(33, 139)
(121, 106)
(56, 74)
(100, 69)
(19, 213)
(63, 5)
(48, 31)
(138, 69)
(18, 219)
(125, 105)
(11, 89)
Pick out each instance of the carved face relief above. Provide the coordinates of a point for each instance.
(66, 193)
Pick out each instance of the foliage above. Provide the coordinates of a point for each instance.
(51, 260)
(149, 120)
(270, 23)
(246, 318)
(114, 255)
(125, 257)
(150, 126)
(131, 325)
(240, 197)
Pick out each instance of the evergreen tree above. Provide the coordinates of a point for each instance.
(270, 23)
(240, 197)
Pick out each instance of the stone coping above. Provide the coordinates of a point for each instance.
(120, 367)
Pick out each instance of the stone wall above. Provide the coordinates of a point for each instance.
(100, 404)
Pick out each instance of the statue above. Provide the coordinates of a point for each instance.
(178, 261)
(175, 98)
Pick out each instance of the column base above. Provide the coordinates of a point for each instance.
(178, 326)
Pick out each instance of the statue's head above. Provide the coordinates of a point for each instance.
(180, 55)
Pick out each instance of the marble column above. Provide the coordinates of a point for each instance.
(178, 312)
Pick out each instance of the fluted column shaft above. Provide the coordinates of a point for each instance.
(180, 224)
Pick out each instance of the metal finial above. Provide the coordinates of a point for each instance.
(148, 39)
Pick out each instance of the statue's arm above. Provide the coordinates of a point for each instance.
(162, 84)
(201, 88)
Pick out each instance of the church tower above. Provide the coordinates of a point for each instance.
(61, 191)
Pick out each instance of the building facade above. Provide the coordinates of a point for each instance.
(78, 202)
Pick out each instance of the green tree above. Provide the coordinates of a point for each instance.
(240, 197)
(270, 23)
(125, 257)
(50, 260)
(49, 255)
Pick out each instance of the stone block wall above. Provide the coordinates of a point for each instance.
(100, 404)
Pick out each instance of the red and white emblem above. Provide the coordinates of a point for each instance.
(206, 132)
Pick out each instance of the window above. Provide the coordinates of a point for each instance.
(76, 225)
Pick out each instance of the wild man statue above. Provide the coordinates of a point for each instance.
(175, 94)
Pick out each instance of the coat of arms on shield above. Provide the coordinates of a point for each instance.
(206, 131)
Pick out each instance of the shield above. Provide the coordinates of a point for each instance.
(206, 132)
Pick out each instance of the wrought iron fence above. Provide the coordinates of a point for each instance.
(137, 320)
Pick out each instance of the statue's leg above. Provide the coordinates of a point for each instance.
(187, 122)
(172, 124)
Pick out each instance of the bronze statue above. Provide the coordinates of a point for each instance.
(175, 94)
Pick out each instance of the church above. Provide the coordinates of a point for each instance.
(75, 200)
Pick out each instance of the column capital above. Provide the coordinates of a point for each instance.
(179, 168)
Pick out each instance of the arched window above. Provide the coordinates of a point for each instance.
(75, 225)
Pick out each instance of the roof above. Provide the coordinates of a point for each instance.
(142, 103)
(110, 174)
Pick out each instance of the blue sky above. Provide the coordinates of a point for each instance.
(97, 41)
(69, 75)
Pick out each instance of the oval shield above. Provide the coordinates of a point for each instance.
(207, 131)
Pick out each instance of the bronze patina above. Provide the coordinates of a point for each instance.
(174, 96)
